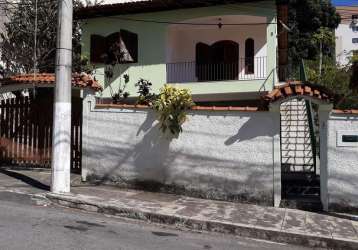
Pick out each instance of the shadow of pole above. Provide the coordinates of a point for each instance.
(26, 179)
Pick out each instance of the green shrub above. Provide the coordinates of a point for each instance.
(171, 105)
(337, 79)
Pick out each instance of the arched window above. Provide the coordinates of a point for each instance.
(218, 61)
(249, 56)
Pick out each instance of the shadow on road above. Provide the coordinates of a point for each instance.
(26, 179)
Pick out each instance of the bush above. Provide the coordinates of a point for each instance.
(171, 105)
(144, 91)
(337, 79)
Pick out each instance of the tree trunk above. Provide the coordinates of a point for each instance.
(320, 58)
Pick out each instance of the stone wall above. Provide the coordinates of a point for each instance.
(226, 155)
(342, 163)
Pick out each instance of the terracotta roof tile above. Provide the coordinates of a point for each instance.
(202, 108)
(288, 90)
(297, 88)
(347, 111)
(80, 80)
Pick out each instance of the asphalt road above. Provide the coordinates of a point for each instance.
(26, 224)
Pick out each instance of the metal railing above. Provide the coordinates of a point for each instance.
(253, 68)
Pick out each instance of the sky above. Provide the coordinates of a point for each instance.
(345, 2)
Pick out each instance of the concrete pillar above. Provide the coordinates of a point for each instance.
(276, 144)
(89, 102)
(61, 138)
(324, 111)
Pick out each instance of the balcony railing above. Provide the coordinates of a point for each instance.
(244, 69)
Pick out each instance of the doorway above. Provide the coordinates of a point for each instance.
(300, 150)
(217, 62)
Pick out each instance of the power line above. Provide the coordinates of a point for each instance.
(189, 23)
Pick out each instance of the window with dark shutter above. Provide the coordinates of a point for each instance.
(249, 56)
(98, 49)
(118, 47)
(203, 59)
(129, 46)
(113, 47)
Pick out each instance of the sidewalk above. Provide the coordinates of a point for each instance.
(275, 224)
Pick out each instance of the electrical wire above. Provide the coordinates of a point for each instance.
(189, 23)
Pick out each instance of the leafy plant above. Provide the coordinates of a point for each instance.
(323, 37)
(338, 80)
(120, 93)
(171, 106)
(144, 88)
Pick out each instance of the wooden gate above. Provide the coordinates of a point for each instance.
(26, 130)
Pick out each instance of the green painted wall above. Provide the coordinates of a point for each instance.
(152, 47)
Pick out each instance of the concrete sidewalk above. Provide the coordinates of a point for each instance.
(275, 224)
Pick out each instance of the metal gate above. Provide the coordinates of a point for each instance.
(298, 150)
(26, 130)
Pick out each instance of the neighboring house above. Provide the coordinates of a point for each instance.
(219, 51)
(347, 34)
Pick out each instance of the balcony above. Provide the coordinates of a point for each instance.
(245, 69)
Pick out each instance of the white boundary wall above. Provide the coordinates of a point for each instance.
(342, 163)
(221, 154)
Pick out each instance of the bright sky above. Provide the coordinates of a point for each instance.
(345, 2)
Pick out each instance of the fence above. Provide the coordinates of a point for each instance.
(243, 69)
(26, 131)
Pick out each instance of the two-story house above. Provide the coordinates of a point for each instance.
(220, 50)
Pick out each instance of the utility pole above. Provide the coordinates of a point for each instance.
(61, 137)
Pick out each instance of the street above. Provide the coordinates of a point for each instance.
(27, 224)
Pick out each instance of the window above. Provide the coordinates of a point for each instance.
(355, 28)
(249, 56)
(355, 40)
(118, 47)
(217, 62)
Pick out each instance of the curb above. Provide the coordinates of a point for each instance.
(80, 202)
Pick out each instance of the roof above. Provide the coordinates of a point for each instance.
(346, 13)
(346, 111)
(299, 89)
(82, 80)
(143, 6)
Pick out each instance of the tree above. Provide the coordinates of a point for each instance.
(17, 43)
(306, 18)
(324, 38)
(340, 80)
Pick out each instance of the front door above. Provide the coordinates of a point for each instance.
(217, 62)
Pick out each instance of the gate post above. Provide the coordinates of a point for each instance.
(276, 144)
(89, 101)
(324, 111)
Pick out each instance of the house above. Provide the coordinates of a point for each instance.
(220, 50)
(347, 34)
(227, 52)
